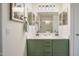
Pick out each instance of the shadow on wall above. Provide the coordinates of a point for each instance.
(0, 30)
(25, 51)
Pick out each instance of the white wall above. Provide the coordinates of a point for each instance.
(13, 35)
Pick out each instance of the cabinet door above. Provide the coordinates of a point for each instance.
(38, 48)
(60, 47)
(34, 48)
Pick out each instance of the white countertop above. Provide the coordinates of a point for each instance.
(42, 36)
(56, 37)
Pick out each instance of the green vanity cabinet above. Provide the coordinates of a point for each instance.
(38, 47)
(47, 47)
(34, 48)
(60, 47)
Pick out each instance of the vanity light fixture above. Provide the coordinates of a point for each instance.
(46, 5)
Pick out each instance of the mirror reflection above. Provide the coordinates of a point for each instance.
(47, 22)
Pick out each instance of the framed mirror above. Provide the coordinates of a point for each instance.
(31, 18)
(63, 18)
(48, 22)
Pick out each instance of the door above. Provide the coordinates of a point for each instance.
(75, 27)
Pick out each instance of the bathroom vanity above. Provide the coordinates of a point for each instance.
(47, 47)
(47, 31)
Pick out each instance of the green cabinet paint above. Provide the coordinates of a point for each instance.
(46, 48)
(42, 47)
(60, 47)
(34, 48)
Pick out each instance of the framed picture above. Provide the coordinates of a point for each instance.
(17, 11)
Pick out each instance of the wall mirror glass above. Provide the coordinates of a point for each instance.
(31, 18)
(63, 18)
(48, 22)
